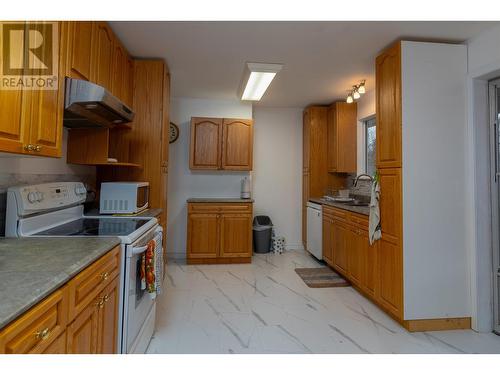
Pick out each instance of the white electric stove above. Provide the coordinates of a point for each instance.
(56, 210)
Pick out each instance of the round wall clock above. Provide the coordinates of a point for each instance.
(174, 132)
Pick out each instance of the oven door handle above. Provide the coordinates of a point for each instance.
(139, 250)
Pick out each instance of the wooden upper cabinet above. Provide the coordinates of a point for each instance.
(236, 235)
(218, 143)
(13, 135)
(165, 129)
(80, 50)
(388, 107)
(129, 81)
(206, 139)
(119, 65)
(237, 144)
(342, 137)
(102, 56)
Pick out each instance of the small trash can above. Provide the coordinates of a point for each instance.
(262, 232)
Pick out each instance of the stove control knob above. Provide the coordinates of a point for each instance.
(31, 197)
(80, 190)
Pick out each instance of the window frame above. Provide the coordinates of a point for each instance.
(368, 122)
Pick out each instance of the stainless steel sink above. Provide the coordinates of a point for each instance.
(358, 203)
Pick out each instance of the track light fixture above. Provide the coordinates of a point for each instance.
(356, 92)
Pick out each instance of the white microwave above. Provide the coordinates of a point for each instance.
(123, 197)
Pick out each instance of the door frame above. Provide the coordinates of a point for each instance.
(493, 86)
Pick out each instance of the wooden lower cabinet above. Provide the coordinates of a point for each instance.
(82, 333)
(340, 251)
(236, 238)
(219, 233)
(50, 328)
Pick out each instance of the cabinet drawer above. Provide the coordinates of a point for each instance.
(84, 287)
(219, 208)
(360, 221)
(37, 329)
(339, 214)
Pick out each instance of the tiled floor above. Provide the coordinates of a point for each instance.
(264, 307)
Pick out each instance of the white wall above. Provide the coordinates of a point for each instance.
(483, 65)
(434, 123)
(366, 109)
(184, 183)
(21, 164)
(277, 176)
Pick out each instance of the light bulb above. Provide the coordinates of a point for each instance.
(349, 99)
(355, 94)
(361, 87)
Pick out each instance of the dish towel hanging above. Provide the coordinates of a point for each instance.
(375, 232)
(152, 268)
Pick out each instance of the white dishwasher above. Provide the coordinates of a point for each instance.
(315, 230)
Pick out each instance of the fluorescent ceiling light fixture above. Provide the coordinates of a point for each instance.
(256, 79)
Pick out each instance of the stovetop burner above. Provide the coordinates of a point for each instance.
(96, 227)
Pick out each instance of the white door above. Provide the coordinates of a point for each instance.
(495, 166)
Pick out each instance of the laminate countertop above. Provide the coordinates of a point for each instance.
(32, 268)
(219, 200)
(363, 210)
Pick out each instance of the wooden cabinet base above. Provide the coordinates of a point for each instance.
(226, 260)
(443, 324)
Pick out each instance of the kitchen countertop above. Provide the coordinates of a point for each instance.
(32, 268)
(219, 200)
(363, 210)
(149, 212)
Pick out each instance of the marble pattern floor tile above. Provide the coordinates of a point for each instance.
(265, 307)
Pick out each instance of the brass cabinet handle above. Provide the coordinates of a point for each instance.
(104, 276)
(43, 334)
(29, 147)
(38, 148)
(100, 303)
(105, 298)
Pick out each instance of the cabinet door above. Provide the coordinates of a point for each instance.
(388, 107)
(390, 294)
(80, 50)
(369, 256)
(203, 235)
(58, 346)
(82, 333)
(165, 132)
(305, 199)
(107, 330)
(205, 147)
(118, 78)
(332, 139)
(340, 259)
(236, 235)
(306, 138)
(328, 240)
(102, 41)
(43, 114)
(355, 254)
(346, 120)
(129, 82)
(13, 134)
(391, 203)
(237, 144)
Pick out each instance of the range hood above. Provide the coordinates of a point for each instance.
(87, 105)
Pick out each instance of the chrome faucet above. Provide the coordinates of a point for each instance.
(362, 175)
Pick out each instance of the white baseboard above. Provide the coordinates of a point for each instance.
(294, 246)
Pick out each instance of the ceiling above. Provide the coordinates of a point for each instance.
(322, 60)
